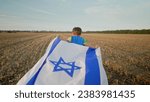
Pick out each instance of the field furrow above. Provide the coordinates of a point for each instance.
(125, 57)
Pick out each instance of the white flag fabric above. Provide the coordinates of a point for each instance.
(67, 63)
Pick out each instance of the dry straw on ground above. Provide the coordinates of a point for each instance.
(126, 58)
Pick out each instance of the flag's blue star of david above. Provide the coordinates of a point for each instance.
(68, 67)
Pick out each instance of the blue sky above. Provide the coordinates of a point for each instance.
(65, 14)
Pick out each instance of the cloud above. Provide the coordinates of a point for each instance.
(102, 11)
(3, 15)
(10, 16)
(123, 16)
(113, 9)
(92, 10)
(41, 11)
(63, 0)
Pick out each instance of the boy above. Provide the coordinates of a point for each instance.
(76, 38)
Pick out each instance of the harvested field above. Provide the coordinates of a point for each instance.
(126, 58)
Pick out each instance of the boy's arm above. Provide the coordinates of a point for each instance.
(85, 42)
(69, 39)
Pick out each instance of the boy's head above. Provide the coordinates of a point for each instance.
(76, 31)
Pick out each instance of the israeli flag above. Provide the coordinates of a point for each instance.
(67, 63)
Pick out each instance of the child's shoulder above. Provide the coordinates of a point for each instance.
(72, 37)
(69, 38)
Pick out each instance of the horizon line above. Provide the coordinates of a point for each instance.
(71, 31)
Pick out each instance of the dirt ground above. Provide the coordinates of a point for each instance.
(126, 57)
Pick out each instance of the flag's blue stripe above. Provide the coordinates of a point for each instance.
(92, 76)
(33, 79)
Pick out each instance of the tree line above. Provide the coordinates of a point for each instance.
(143, 31)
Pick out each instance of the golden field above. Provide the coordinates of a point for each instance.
(126, 57)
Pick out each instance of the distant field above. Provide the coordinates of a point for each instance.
(126, 58)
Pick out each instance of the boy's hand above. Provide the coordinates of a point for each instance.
(58, 36)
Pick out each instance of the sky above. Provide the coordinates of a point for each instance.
(63, 15)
